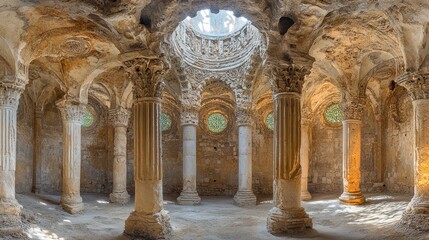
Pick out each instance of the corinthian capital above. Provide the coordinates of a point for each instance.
(189, 115)
(10, 91)
(352, 109)
(147, 75)
(244, 117)
(119, 117)
(287, 77)
(71, 111)
(416, 83)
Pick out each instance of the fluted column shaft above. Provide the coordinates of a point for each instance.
(305, 152)
(10, 221)
(149, 218)
(72, 114)
(417, 213)
(244, 195)
(287, 212)
(119, 119)
(189, 194)
(37, 150)
(352, 113)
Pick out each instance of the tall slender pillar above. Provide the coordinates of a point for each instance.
(352, 114)
(244, 196)
(10, 220)
(149, 220)
(37, 150)
(305, 153)
(119, 118)
(189, 120)
(72, 114)
(287, 213)
(417, 213)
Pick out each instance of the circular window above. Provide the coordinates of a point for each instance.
(88, 117)
(217, 122)
(333, 114)
(165, 121)
(269, 120)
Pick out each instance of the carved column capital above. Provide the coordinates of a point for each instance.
(244, 117)
(352, 109)
(71, 111)
(10, 92)
(189, 115)
(306, 116)
(287, 77)
(416, 83)
(147, 76)
(119, 117)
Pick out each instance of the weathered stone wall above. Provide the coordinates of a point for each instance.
(325, 170)
(398, 145)
(24, 145)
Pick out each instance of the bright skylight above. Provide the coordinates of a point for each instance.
(220, 24)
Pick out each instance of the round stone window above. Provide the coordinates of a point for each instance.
(88, 117)
(269, 121)
(333, 114)
(217, 122)
(165, 121)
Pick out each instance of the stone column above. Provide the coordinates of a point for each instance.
(244, 196)
(417, 213)
(72, 114)
(287, 213)
(189, 194)
(149, 220)
(10, 220)
(37, 150)
(305, 153)
(352, 114)
(119, 118)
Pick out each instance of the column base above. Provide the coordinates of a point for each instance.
(188, 198)
(416, 215)
(10, 219)
(289, 220)
(72, 205)
(305, 196)
(352, 198)
(119, 197)
(148, 226)
(244, 198)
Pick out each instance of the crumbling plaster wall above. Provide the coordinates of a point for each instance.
(325, 171)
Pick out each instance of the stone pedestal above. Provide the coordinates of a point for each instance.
(189, 194)
(72, 114)
(287, 213)
(244, 196)
(352, 113)
(10, 220)
(305, 152)
(37, 150)
(119, 119)
(417, 213)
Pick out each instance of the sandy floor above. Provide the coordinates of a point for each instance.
(217, 218)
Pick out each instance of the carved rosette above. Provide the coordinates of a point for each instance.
(306, 116)
(71, 111)
(190, 115)
(416, 83)
(10, 93)
(287, 77)
(352, 110)
(146, 74)
(119, 117)
(244, 117)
